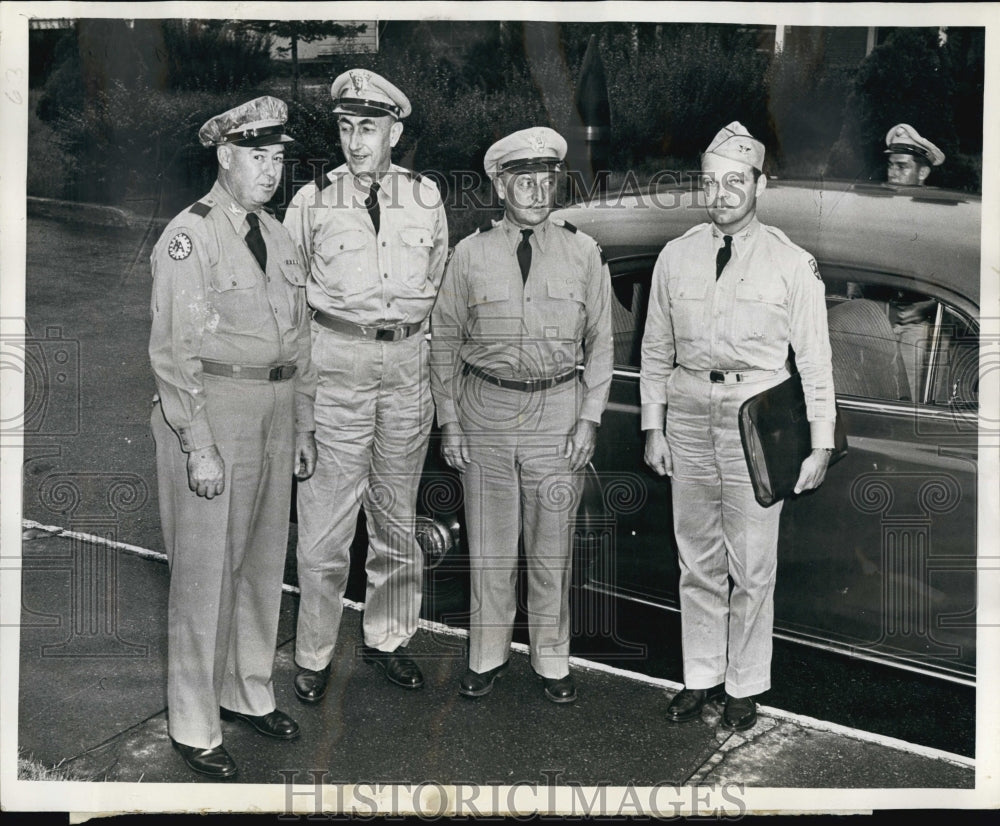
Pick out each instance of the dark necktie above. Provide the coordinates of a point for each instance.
(724, 254)
(256, 241)
(371, 204)
(524, 254)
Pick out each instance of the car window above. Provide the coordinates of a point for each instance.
(954, 374)
(898, 344)
(628, 315)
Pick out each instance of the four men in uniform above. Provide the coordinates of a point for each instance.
(255, 385)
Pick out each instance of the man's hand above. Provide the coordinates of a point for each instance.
(579, 447)
(305, 454)
(454, 447)
(813, 471)
(206, 472)
(657, 454)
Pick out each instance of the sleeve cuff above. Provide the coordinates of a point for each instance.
(197, 436)
(591, 410)
(446, 413)
(653, 416)
(304, 418)
(821, 435)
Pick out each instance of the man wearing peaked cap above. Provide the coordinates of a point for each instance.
(524, 303)
(229, 349)
(910, 156)
(374, 238)
(727, 299)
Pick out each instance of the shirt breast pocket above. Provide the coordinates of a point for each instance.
(760, 312)
(344, 259)
(688, 308)
(568, 304)
(415, 244)
(234, 293)
(490, 313)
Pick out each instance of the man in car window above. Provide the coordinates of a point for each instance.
(909, 162)
(727, 299)
(375, 240)
(910, 156)
(229, 348)
(524, 302)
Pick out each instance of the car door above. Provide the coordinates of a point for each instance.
(881, 559)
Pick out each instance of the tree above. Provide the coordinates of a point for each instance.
(304, 31)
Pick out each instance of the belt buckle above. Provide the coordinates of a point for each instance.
(716, 376)
(278, 373)
(389, 334)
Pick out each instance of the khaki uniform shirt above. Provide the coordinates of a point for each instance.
(770, 295)
(487, 317)
(370, 280)
(212, 301)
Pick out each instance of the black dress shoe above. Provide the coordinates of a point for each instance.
(274, 724)
(689, 701)
(399, 668)
(740, 713)
(215, 763)
(310, 686)
(561, 690)
(474, 684)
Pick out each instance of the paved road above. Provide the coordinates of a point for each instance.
(88, 292)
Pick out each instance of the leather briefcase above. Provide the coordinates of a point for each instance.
(775, 435)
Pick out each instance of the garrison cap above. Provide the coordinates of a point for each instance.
(365, 94)
(734, 142)
(529, 150)
(258, 122)
(903, 139)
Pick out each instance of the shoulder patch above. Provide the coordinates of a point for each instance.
(814, 267)
(200, 209)
(600, 250)
(180, 246)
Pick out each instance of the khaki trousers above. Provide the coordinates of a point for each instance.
(721, 532)
(518, 481)
(373, 420)
(226, 557)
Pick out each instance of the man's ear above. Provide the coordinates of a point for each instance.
(500, 187)
(224, 154)
(394, 132)
(922, 172)
(761, 184)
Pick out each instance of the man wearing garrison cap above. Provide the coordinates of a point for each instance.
(374, 239)
(727, 300)
(910, 156)
(525, 304)
(229, 348)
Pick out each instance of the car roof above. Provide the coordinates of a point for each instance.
(925, 233)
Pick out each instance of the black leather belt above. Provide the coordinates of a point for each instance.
(279, 372)
(371, 333)
(524, 385)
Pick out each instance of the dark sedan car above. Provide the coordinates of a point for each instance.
(880, 562)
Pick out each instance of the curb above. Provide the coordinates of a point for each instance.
(91, 214)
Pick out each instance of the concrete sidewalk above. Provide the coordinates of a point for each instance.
(92, 701)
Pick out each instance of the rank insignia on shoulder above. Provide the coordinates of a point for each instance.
(179, 247)
(600, 250)
(815, 268)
